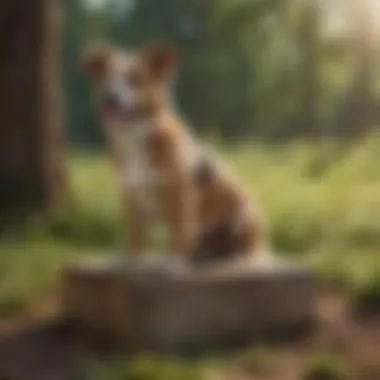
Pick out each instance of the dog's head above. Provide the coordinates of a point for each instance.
(129, 86)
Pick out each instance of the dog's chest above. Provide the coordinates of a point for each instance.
(140, 177)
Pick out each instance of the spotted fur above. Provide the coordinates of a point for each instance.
(165, 174)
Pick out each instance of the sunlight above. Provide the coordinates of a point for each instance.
(342, 16)
(95, 3)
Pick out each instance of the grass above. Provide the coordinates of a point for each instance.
(149, 368)
(366, 298)
(257, 361)
(326, 368)
(321, 204)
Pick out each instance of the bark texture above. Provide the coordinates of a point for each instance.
(32, 172)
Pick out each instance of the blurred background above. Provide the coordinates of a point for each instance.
(269, 70)
(288, 91)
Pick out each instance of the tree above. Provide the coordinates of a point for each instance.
(364, 52)
(310, 94)
(218, 39)
(32, 168)
(80, 27)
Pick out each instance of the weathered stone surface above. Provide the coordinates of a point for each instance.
(150, 306)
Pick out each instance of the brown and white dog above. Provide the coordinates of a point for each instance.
(165, 173)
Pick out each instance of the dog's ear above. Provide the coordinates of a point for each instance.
(162, 59)
(94, 59)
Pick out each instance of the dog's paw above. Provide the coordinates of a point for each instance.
(263, 259)
(127, 262)
(174, 264)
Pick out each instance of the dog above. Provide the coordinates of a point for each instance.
(166, 174)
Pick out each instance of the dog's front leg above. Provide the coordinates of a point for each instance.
(137, 226)
(183, 221)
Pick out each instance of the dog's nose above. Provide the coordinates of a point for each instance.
(112, 99)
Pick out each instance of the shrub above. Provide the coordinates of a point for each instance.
(259, 360)
(326, 368)
(336, 278)
(12, 304)
(366, 299)
(146, 368)
(295, 231)
(85, 227)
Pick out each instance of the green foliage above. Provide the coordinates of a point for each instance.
(295, 230)
(84, 227)
(267, 69)
(93, 216)
(256, 361)
(147, 368)
(366, 299)
(326, 368)
(318, 219)
(12, 304)
(240, 69)
(82, 125)
(29, 266)
(334, 276)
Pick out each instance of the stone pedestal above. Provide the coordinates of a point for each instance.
(148, 306)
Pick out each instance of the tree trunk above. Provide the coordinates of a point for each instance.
(362, 96)
(310, 74)
(32, 172)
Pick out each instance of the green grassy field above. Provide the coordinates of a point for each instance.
(321, 204)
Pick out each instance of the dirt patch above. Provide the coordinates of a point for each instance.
(339, 335)
(42, 352)
(48, 351)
